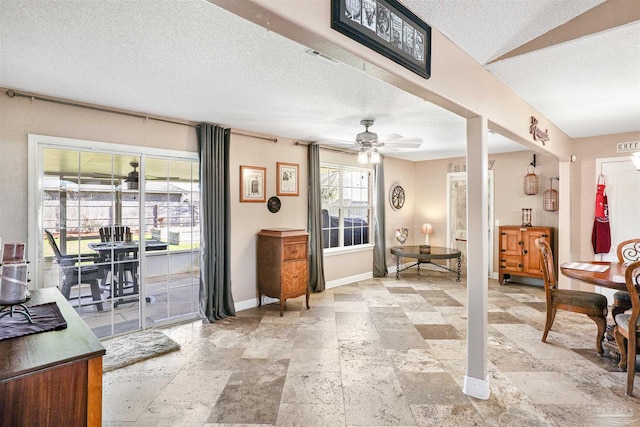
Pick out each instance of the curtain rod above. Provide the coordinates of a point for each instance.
(250, 135)
(322, 147)
(12, 94)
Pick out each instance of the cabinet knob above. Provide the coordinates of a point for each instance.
(520, 265)
(521, 243)
(524, 252)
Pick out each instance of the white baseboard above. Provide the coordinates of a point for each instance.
(347, 280)
(253, 303)
(477, 388)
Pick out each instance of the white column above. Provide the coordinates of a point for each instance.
(476, 382)
(563, 234)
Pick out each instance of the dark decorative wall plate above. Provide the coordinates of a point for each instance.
(273, 204)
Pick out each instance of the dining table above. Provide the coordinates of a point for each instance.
(612, 278)
(122, 253)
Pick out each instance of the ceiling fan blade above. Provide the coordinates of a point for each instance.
(161, 178)
(391, 137)
(404, 145)
(340, 142)
(101, 175)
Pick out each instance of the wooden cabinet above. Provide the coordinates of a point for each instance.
(52, 378)
(518, 253)
(283, 264)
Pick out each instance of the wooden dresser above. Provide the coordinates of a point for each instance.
(283, 264)
(518, 253)
(52, 378)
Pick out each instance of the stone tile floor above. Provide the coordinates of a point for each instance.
(380, 352)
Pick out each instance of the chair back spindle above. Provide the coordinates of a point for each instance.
(115, 233)
(629, 251)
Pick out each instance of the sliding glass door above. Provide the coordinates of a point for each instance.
(120, 234)
(172, 216)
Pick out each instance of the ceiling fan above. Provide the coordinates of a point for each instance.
(367, 142)
(133, 177)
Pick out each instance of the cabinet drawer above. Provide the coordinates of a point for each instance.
(295, 250)
(511, 263)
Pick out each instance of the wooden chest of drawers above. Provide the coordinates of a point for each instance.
(518, 253)
(283, 264)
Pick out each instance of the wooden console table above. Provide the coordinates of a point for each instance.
(52, 378)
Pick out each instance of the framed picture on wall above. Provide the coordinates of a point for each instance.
(252, 183)
(387, 27)
(288, 179)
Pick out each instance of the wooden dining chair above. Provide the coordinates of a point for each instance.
(589, 303)
(628, 326)
(114, 233)
(77, 269)
(628, 252)
(129, 264)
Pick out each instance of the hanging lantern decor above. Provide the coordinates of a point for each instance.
(550, 197)
(531, 182)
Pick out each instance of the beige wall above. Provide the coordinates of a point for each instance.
(509, 170)
(404, 173)
(359, 263)
(583, 186)
(247, 219)
(424, 183)
(21, 116)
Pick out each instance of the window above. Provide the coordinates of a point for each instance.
(346, 205)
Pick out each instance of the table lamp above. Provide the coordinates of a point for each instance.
(426, 230)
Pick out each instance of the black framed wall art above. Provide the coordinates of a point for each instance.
(387, 27)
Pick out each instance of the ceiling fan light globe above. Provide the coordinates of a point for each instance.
(362, 157)
(375, 156)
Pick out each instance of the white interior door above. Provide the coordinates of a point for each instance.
(457, 215)
(622, 182)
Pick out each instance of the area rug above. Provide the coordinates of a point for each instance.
(132, 348)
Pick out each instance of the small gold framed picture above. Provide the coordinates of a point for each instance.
(288, 179)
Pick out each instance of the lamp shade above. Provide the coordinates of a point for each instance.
(427, 229)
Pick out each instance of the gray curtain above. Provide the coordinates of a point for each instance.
(379, 236)
(216, 301)
(316, 257)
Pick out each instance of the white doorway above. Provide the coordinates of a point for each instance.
(622, 182)
(457, 216)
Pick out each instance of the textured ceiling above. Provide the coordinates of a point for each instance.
(192, 60)
(489, 28)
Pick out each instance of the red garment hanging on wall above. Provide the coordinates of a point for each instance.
(601, 233)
